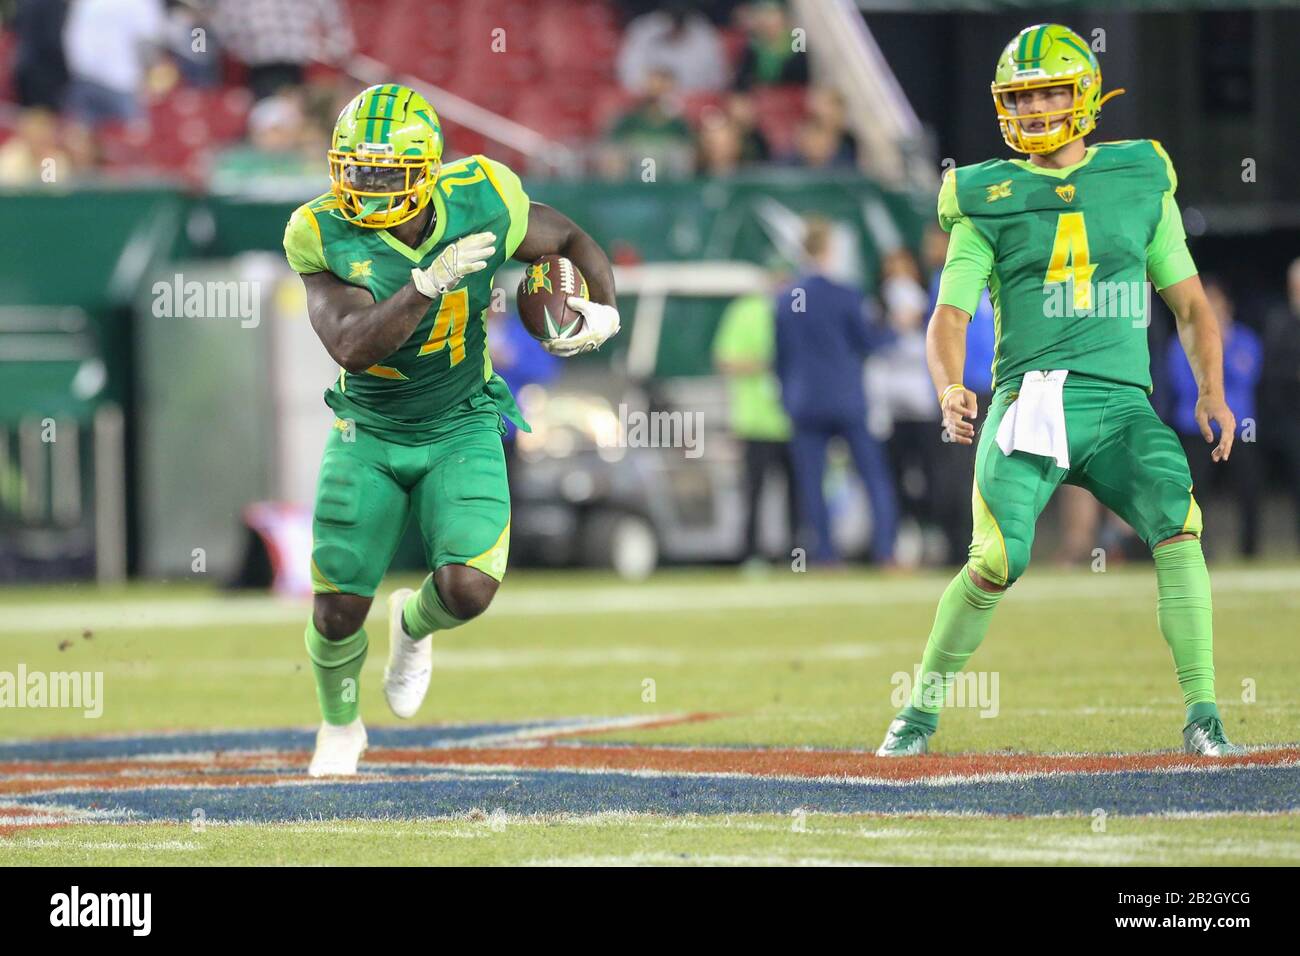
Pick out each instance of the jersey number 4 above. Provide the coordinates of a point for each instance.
(1070, 262)
(449, 326)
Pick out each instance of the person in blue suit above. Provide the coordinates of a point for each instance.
(823, 337)
(1243, 362)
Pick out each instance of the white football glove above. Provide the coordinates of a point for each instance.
(601, 324)
(458, 260)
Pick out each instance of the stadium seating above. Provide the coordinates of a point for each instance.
(551, 68)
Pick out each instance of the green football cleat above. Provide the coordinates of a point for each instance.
(904, 739)
(1205, 737)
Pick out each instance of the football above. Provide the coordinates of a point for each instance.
(542, 298)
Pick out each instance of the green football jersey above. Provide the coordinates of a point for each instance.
(445, 361)
(1066, 254)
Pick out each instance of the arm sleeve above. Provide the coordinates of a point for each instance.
(967, 268)
(511, 191)
(302, 243)
(949, 211)
(1169, 261)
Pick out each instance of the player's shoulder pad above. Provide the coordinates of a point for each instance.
(949, 207)
(505, 180)
(964, 185)
(304, 246)
(1168, 164)
(511, 190)
(1146, 154)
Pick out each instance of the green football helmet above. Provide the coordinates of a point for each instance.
(385, 156)
(1040, 56)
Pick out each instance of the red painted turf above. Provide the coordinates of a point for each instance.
(803, 763)
(231, 769)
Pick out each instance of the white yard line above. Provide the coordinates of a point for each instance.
(792, 593)
(697, 859)
(502, 659)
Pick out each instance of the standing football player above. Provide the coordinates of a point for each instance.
(1065, 241)
(398, 260)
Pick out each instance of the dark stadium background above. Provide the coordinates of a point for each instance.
(1214, 82)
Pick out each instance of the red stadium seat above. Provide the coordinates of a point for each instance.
(553, 115)
(607, 106)
(734, 41)
(8, 41)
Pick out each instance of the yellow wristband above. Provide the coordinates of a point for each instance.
(944, 397)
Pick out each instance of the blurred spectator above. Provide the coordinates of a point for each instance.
(956, 468)
(818, 145)
(280, 154)
(743, 112)
(770, 58)
(719, 147)
(1242, 364)
(110, 46)
(198, 56)
(823, 337)
(653, 128)
(34, 154)
(40, 70)
(1281, 384)
(901, 396)
(677, 40)
(1087, 526)
(825, 106)
(276, 39)
(744, 351)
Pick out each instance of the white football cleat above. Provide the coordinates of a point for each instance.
(410, 662)
(338, 748)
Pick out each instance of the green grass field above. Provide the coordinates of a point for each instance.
(785, 660)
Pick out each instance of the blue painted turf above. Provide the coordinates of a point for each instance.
(110, 748)
(448, 793)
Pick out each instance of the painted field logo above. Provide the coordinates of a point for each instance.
(502, 772)
(638, 429)
(103, 909)
(74, 690)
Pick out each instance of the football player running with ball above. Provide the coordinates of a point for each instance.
(398, 260)
(1065, 241)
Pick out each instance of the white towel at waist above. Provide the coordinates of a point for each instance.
(1035, 421)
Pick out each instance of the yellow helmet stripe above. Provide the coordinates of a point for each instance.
(1087, 54)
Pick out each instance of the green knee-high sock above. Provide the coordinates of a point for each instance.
(425, 613)
(1185, 613)
(337, 666)
(959, 626)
